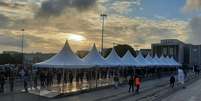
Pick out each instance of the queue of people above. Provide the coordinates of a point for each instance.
(45, 78)
(9, 76)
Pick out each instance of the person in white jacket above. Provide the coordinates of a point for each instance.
(181, 76)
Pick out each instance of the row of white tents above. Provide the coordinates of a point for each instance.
(67, 59)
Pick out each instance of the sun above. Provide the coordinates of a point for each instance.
(75, 37)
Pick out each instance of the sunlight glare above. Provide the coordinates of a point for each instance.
(75, 37)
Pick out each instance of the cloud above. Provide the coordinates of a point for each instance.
(64, 17)
(119, 6)
(7, 40)
(192, 5)
(4, 21)
(56, 7)
(195, 30)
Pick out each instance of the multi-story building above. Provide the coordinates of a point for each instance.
(170, 47)
(195, 55)
(187, 54)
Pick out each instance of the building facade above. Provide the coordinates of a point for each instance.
(186, 54)
(169, 47)
(195, 55)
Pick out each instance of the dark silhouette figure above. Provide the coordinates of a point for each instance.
(131, 84)
(172, 81)
(11, 81)
(2, 82)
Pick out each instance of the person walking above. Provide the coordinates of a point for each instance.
(2, 82)
(172, 81)
(181, 77)
(137, 84)
(131, 84)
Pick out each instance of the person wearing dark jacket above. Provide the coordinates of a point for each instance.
(172, 81)
(131, 84)
(2, 82)
(11, 81)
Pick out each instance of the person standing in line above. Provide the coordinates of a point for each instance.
(59, 75)
(172, 81)
(137, 84)
(35, 78)
(2, 82)
(131, 84)
(65, 77)
(24, 76)
(116, 81)
(71, 77)
(11, 80)
(26, 79)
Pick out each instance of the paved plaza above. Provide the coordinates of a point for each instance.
(150, 91)
(191, 93)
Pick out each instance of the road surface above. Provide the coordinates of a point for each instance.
(191, 93)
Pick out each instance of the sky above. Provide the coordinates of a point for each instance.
(48, 23)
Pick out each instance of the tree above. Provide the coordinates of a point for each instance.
(121, 50)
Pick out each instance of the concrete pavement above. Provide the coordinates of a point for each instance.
(150, 90)
(191, 93)
(109, 94)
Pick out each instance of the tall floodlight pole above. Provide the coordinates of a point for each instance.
(103, 17)
(22, 47)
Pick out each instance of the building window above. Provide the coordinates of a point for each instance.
(171, 51)
(164, 51)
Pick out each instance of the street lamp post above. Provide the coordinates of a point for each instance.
(22, 47)
(103, 17)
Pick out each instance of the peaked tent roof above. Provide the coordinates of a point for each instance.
(142, 60)
(170, 61)
(175, 62)
(164, 62)
(64, 59)
(158, 62)
(94, 58)
(129, 60)
(113, 59)
(151, 60)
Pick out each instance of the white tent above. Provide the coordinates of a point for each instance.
(113, 59)
(93, 58)
(175, 63)
(64, 59)
(151, 60)
(157, 60)
(170, 61)
(164, 62)
(142, 60)
(129, 60)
